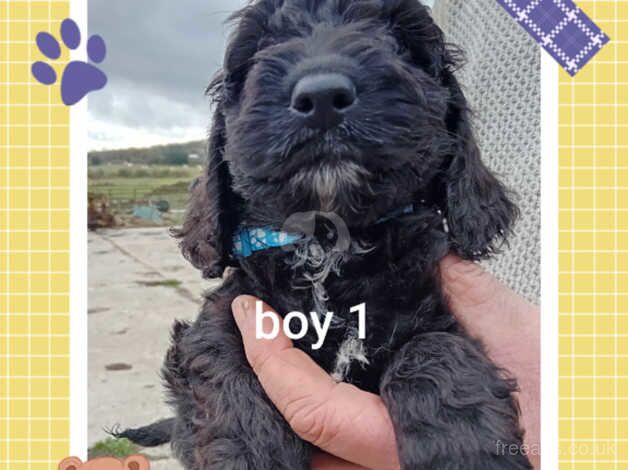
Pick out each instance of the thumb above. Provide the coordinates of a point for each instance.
(289, 376)
(244, 309)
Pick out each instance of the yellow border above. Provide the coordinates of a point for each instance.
(34, 245)
(593, 244)
(34, 249)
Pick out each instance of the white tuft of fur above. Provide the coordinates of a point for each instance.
(317, 264)
(351, 349)
(334, 183)
(327, 180)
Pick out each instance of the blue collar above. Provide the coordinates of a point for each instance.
(248, 240)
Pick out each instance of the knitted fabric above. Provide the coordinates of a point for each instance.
(501, 80)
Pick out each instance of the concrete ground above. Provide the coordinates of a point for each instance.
(138, 284)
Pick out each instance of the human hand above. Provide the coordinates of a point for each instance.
(353, 427)
(509, 326)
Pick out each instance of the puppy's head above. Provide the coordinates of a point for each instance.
(344, 106)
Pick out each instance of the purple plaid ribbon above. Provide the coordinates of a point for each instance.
(568, 34)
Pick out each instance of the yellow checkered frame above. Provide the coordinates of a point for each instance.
(34, 245)
(593, 252)
(34, 249)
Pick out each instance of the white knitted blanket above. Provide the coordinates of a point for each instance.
(502, 83)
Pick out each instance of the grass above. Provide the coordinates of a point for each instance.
(112, 447)
(133, 182)
(143, 180)
(127, 188)
(172, 283)
(103, 172)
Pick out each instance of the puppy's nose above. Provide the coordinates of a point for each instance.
(323, 98)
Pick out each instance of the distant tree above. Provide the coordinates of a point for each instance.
(95, 160)
(176, 157)
(173, 154)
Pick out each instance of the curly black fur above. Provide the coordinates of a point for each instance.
(408, 139)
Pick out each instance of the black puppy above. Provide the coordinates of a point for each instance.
(348, 109)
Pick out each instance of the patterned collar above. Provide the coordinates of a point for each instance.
(248, 240)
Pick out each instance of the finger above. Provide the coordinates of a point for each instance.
(338, 418)
(274, 360)
(323, 461)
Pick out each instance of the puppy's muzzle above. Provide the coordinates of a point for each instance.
(322, 99)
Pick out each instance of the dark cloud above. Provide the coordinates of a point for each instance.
(160, 56)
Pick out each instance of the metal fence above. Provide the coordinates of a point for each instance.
(123, 201)
(130, 196)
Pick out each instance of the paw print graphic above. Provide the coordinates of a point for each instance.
(79, 78)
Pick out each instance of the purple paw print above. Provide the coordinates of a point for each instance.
(79, 78)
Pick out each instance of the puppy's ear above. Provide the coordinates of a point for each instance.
(478, 207)
(479, 211)
(212, 213)
(416, 31)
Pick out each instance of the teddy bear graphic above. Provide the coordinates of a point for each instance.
(133, 462)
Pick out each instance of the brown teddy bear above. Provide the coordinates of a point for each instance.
(133, 462)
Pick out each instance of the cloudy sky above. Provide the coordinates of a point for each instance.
(160, 56)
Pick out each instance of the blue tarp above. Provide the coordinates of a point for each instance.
(147, 213)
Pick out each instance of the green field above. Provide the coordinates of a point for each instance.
(125, 187)
(122, 175)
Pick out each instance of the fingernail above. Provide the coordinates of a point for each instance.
(240, 308)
